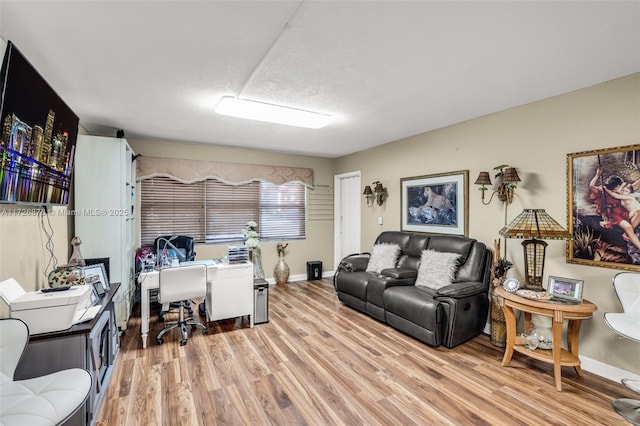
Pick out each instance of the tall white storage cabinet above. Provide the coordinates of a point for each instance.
(104, 188)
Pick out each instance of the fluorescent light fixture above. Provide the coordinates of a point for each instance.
(271, 113)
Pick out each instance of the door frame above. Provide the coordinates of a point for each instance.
(337, 214)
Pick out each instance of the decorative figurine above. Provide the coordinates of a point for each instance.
(76, 258)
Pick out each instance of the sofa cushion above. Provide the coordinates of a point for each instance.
(383, 256)
(437, 269)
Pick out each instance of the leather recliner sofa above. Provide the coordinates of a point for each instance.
(447, 316)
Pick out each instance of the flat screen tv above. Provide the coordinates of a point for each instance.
(38, 138)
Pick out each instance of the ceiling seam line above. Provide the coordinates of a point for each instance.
(288, 25)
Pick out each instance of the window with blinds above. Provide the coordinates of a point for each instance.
(213, 211)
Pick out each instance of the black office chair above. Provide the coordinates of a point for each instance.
(183, 243)
(184, 247)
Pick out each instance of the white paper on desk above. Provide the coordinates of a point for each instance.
(83, 315)
(208, 262)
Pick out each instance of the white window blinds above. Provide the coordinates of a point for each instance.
(214, 211)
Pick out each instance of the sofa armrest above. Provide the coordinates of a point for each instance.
(400, 273)
(354, 262)
(462, 289)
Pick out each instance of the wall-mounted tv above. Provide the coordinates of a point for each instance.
(38, 137)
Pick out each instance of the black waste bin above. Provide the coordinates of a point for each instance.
(314, 270)
(260, 301)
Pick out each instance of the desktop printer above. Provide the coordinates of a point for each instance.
(45, 312)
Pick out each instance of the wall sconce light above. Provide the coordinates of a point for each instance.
(379, 193)
(507, 178)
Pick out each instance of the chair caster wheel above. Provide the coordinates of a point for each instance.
(205, 331)
(183, 342)
(160, 341)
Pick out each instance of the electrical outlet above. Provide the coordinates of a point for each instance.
(379, 220)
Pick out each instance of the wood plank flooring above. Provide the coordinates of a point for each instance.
(318, 362)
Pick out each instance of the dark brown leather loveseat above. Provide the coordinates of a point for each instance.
(447, 316)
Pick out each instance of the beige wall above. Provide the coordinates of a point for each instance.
(319, 242)
(535, 138)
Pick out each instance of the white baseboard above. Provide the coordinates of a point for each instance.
(605, 370)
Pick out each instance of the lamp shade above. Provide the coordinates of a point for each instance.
(483, 179)
(535, 223)
(367, 190)
(378, 188)
(511, 175)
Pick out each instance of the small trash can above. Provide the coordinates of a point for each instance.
(314, 270)
(260, 301)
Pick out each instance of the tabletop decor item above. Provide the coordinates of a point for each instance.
(252, 240)
(541, 331)
(565, 288)
(281, 271)
(511, 284)
(76, 258)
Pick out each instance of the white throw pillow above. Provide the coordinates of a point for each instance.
(383, 256)
(437, 269)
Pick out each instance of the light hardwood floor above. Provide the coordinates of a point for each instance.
(318, 362)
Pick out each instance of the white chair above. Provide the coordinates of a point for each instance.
(44, 400)
(178, 284)
(627, 324)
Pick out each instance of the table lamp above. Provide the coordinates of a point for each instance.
(534, 225)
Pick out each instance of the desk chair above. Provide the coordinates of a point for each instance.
(178, 284)
(186, 253)
(627, 324)
(49, 399)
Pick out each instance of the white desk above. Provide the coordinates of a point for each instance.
(229, 293)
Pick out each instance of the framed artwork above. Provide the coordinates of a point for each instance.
(436, 203)
(565, 288)
(97, 276)
(604, 212)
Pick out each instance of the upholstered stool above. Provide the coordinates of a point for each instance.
(627, 324)
(44, 400)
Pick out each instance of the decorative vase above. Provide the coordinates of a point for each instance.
(281, 271)
(255, 255)
(498, 323)
(541, 331)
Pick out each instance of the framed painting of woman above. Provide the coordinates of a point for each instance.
(603, 207)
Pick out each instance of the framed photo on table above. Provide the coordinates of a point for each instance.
(96, 275)
(436, 203)
(565, 288)
(603, 189)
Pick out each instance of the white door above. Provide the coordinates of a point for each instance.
(346, 215)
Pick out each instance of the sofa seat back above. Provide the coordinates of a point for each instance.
(411, 246)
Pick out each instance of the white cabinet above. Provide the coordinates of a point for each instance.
(104, 188)
(230, 291)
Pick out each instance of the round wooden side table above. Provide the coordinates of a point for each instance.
(557, 356)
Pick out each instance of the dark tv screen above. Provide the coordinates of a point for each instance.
(38, 138)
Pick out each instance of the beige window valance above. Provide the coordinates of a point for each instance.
(189, 171)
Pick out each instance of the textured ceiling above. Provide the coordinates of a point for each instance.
(384, 69)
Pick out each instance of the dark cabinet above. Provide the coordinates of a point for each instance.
(93, 345)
